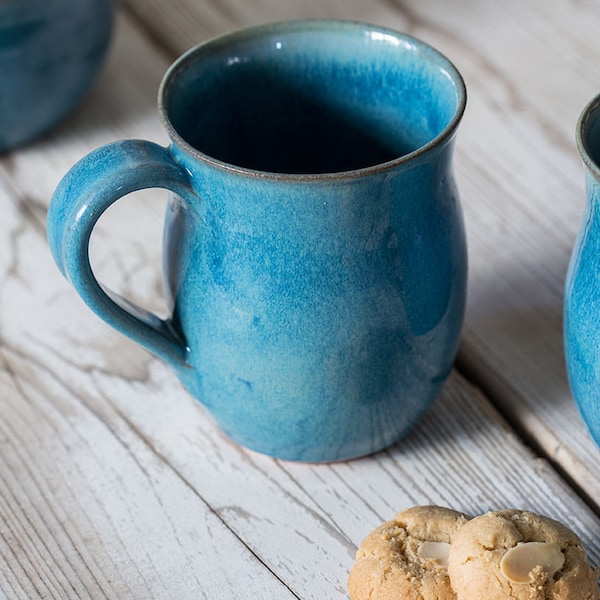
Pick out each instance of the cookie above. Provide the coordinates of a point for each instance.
(407, 557)
(519, 555)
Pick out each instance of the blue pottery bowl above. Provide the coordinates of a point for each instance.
(50, 53)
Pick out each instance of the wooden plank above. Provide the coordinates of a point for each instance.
(89, 511)
(529, 68)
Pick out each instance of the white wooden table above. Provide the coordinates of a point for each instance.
(115, 484)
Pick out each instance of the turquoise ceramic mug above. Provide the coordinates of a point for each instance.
(314, 251)
(582, 289)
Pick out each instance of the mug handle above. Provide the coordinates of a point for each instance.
(87, 190)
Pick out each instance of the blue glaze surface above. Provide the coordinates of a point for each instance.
(50, 53)
(317, 297)
(582, 289)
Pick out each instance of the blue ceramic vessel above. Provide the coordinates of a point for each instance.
(50, 53)
(314, 257)
(582, 290)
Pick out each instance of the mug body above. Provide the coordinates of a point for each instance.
(50, 53)
(582, 289)
(318, 274)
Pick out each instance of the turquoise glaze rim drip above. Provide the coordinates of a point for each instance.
(317, 293)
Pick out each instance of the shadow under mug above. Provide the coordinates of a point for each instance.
(582, 288)
(314, 251)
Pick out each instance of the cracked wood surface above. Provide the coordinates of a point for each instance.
(114, 483)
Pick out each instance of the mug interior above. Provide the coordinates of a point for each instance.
(588, 136)
(311, 97)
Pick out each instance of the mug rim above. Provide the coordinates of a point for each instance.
(316, 25)
(588, 111)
